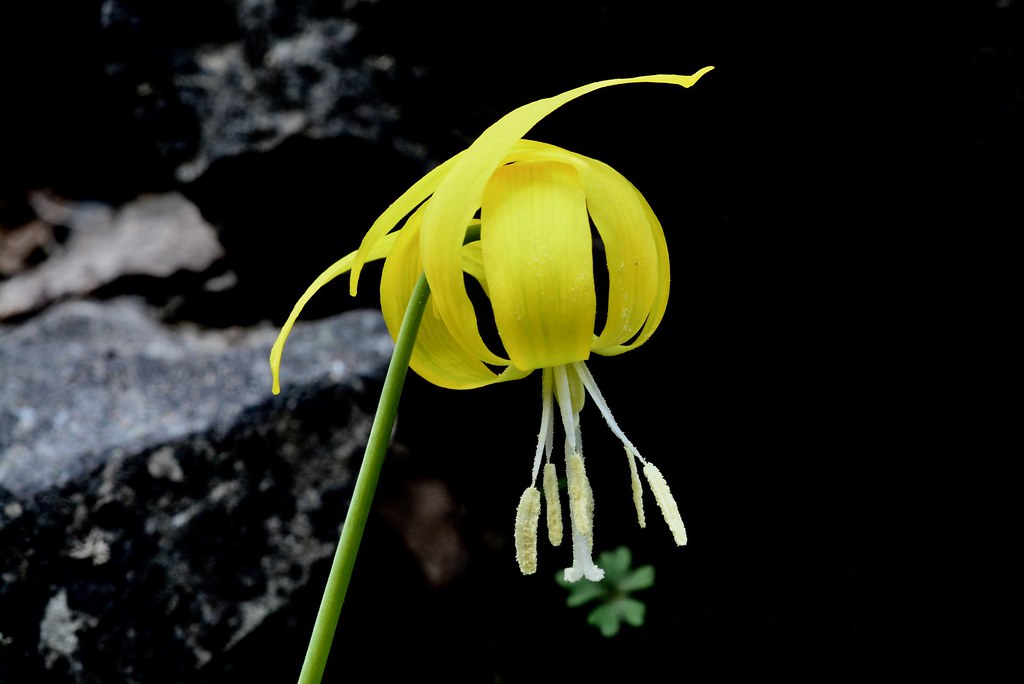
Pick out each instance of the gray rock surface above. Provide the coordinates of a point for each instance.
(157, 503)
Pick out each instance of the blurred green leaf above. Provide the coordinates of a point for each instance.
(631, 610)
(616, 606)
(641, 578)
(583, 592)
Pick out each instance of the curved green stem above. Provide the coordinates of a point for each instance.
(362, 495)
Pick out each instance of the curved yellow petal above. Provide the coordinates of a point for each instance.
(458, 196)
(473, 265)
(379, 250)
(660, 302)
(621, 216)
(436, 356)
(537, 255)
(396, 211)
(634, 246)
(631, 251)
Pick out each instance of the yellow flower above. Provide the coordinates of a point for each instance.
(515, 215)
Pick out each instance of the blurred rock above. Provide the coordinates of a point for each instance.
(157, 504)
(25, 245)
(244, 76)
(155, 236)
(427, 516)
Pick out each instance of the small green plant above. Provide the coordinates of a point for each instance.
(613, 592)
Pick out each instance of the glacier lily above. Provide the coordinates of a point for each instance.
(515, 215)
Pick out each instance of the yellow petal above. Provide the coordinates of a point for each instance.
(400, 208)
(630, 248)
(473, 264)
(631, 243)
(379, 250)
(638, 295)
(458, 196)
(436, 356)
(660, 303)
(537, 255)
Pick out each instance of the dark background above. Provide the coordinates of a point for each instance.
(834, 395)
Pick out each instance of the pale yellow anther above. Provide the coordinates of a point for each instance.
(581, 498)
(666, 503)
(554, 507)
(638, 488)
(527, 520)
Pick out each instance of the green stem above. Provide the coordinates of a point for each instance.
(362, 495)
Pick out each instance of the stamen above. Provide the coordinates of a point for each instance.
(581, 499)
(662, 494)
(553, 505)
(588, 381)
(666, 503)
(545, 437)
(527, 519)
(565, 405)
(638, 489)
(582, 562)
